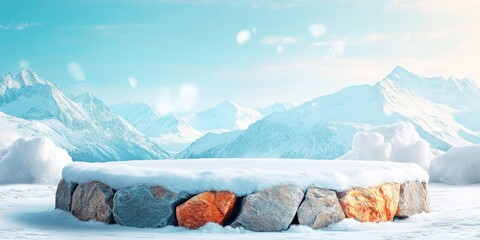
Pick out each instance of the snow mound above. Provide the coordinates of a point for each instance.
(459, 165)
(399, 142)
(244, 176)
(36, 160)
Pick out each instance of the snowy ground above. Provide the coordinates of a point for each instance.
(26, 212)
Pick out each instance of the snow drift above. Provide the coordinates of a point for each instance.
(243, 176)
(459, 165)
(399, 142)
(36, 160)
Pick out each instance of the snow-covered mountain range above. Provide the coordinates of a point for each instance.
(445, 112)
(31, 106)
(175, 133)
(169, 131)
(226, 116)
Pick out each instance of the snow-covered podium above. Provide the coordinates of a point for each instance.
(256, 194)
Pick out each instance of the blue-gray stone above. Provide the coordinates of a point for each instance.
(63, 196)
(146, 206)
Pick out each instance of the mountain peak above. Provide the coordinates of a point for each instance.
(29, 77)
(227, 103)
(400, 73)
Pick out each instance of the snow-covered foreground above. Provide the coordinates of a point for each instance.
(26, 212)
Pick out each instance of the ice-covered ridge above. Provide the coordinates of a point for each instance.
(244, 176)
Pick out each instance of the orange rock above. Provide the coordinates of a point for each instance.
(204, 208)
(377, 204)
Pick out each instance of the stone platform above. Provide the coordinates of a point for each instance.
(256, 194)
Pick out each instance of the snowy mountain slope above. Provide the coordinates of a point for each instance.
(208, 145)
(443, 110)
(170, 131)
(276, 107)
(226, 116)
(175, 134)
(34, 107)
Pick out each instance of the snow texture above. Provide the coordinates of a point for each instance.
(399, 142)
(459, 165)
(36, 160)
(27, 212)
(244, 176)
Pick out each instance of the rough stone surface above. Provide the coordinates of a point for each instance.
(413, 199)
(204, 208)
(320, 208)
(63, 196)
(270, 210)
(376, 204)
(146, 206)
(93, 201)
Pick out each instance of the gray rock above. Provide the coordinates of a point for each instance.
(413, 199)
(320, 208)
(146, 206)
(93, 201)
(63, 196)
(270, 210)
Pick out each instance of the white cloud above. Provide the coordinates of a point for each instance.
(317, 30)
(334, 47)
(101, 27)
(243, 36)
(182, 99)
(164, 102)
(133, 82)
(106, 29)
(254, 30)
(376, 38)
(23, 64)
(187, 97)
(280, 49)
(19, 26)
(273, 4)
(76, 71)
(279, 40)
(435, 6)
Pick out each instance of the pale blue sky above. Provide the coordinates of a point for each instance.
(173, 50)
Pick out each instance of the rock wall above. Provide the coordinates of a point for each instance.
(269, 210)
